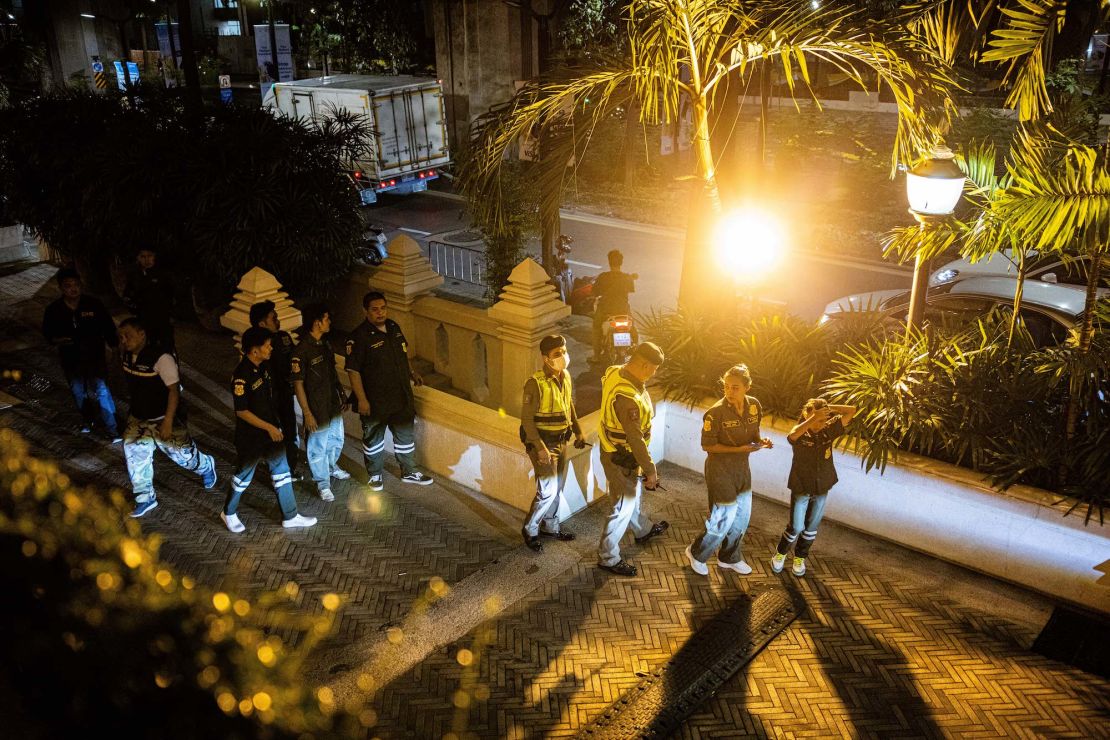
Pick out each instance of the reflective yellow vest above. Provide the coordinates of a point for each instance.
(553, 416)
(611, 433)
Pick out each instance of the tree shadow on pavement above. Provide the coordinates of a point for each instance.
(870, 674)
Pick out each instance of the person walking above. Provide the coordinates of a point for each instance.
(730, 434)
(812, 474)
(624, 432)
(80, 327)
(149, 295)
(320, 395)
(258, 437)
(382, 381)
(157, 416)
(547, 421)
(264, 314)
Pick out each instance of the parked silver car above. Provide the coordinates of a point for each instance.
(1050, 268)
(1049, 310)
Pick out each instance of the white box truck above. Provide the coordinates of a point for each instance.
(406, 113)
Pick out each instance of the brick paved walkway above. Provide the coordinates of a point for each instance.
(895, 644)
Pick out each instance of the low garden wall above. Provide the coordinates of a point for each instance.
(1019, 535)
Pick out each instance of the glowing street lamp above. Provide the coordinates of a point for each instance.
(933, 189)
(748, 244)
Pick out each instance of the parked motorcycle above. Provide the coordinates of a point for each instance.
(373, 249)
(619, 337)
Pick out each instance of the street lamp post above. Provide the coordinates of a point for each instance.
(933, 189)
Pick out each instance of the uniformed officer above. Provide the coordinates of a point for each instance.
(812, 474)
(157, 418)
(257, 435)
(730, 433)
(80, 327)
(625, 429)
(382, 380)
(547, 421)
(149, 295)
(264, 314)
(320, 395)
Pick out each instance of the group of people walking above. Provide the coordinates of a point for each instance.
(730, 435)
(272, 372)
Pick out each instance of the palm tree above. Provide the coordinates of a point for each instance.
(684, 52)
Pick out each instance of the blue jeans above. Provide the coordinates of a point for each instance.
(279, 473)
(97, 390)
(140, 440)
(724, 531)
(323, 448)
(805, 514)
(625, 489)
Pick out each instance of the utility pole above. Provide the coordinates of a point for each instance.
(193, 102)
(273, 40)
(173, 45)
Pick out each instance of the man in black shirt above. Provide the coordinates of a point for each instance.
(257, 436)
(157, 419)
(378, 365)
(612, 289)
(320, 395)
(149, 295)
(79, 326)
(264, 314)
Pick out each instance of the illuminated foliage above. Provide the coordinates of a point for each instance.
(103, 637)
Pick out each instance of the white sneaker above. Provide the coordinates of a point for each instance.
(742, 568)
(778, 562)
(416, 477)
(233, 523)
(699, 567)
(326, 495)
(376, 483)
(340, 474)
(799, 567)
(299, 521)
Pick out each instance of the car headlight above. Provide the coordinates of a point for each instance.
(945, 276)
(824, 319)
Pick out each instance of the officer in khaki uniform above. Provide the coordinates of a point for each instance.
(547, 422)
(730, 434)
(626, 415)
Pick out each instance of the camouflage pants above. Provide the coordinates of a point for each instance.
(141, 439)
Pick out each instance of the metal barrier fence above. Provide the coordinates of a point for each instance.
(453, 262)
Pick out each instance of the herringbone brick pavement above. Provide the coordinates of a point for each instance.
(871, 658)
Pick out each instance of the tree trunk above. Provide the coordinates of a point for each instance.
(702, 283)
(193, 102)
(1086, 335)
(631, 118)
(1019, 291)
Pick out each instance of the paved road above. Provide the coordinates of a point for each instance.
(804, 282)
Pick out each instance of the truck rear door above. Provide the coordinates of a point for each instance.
(412, 129)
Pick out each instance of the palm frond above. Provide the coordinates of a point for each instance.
(1024, 41)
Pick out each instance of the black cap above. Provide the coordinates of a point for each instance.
(650, 352)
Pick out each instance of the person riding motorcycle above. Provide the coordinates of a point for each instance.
(611, 290)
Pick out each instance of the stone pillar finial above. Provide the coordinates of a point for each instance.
(255, 286)
(529, 308)
(406, 274)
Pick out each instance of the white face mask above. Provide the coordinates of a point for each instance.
(560, 363)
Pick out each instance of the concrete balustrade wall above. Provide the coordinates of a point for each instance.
(1020, 535)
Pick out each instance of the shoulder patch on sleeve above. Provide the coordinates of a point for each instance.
(295, 364)
(239, 386)
(350, 345)
(707, 425)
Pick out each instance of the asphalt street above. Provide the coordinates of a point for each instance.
(804, 281)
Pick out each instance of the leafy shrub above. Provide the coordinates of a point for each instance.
(103, 639)
(97, 181)
(958, 394)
